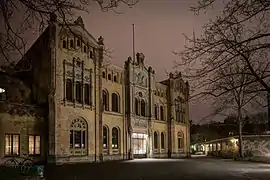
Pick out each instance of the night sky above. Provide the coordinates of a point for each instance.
(159, 28)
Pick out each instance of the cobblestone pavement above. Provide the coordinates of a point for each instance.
(163, 169)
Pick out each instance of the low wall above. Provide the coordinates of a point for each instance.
(255, 148)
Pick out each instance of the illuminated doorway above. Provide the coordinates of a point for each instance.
(139, 143)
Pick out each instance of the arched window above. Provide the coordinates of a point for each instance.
(114, 78)
(69, 90)
(78, 42)
(137, 107)
(180, 138)
(143, 108)
(103, 74)
(109, 77)
(105, 137)
(71, 43)
(115, 138)
(78, 137)
(155, 140)
(161, 113)
(115, 102)
(64, 44)
(105, 98)
(162, 141)
(156, 111)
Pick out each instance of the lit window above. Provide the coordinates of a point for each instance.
(180, 140)
(12, 144)
(34, 145)
(115, 138)
(105, 137)
(78, 137)
(3, 94)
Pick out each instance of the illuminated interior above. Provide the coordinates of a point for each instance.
(139, 143)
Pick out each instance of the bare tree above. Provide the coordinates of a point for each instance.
(241, 34)
(236, 92)
(20, 16)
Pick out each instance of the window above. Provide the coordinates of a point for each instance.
(69, 90)
(156, 111)
(71, 43)
(179, 111)
(180, 140)
(91, 54)
(78, 42)
(115, 138)
(161, 113)
(105, 137)
(155, 140)
(12, 144)
(143, 108)
(103, 74)
(3, 94)
(34, 145)
(137, 107)
(84, 49)
(64, 44)
(78, 137)
(115, 102)
(78, 92)
(105, 98)
(162, 141)
(87, 94)
(109, 77)
(114, 78)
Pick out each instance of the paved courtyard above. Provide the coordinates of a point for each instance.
(163, 169)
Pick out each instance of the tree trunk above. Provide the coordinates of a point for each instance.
(240, 133)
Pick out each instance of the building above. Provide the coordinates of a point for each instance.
(94, 111)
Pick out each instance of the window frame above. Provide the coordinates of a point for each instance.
(34, 154)
(12, 146)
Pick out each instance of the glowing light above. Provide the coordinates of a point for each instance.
(234, 140)
(2, 90)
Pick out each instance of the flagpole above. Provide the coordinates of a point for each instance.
(133, 41)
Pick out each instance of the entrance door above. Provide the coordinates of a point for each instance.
(139, 145)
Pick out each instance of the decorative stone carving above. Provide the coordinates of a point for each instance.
(87, 78)
(78, 76)
(139, 123)
(69, 74)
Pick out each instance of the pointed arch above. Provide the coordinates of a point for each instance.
(105, 137)
(105, 99)
(78, 136)
(162, 136)
(115, 138)
(115, 102)
(155, 140)
(180, 140)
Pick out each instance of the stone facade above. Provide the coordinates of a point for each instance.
(98, 111)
